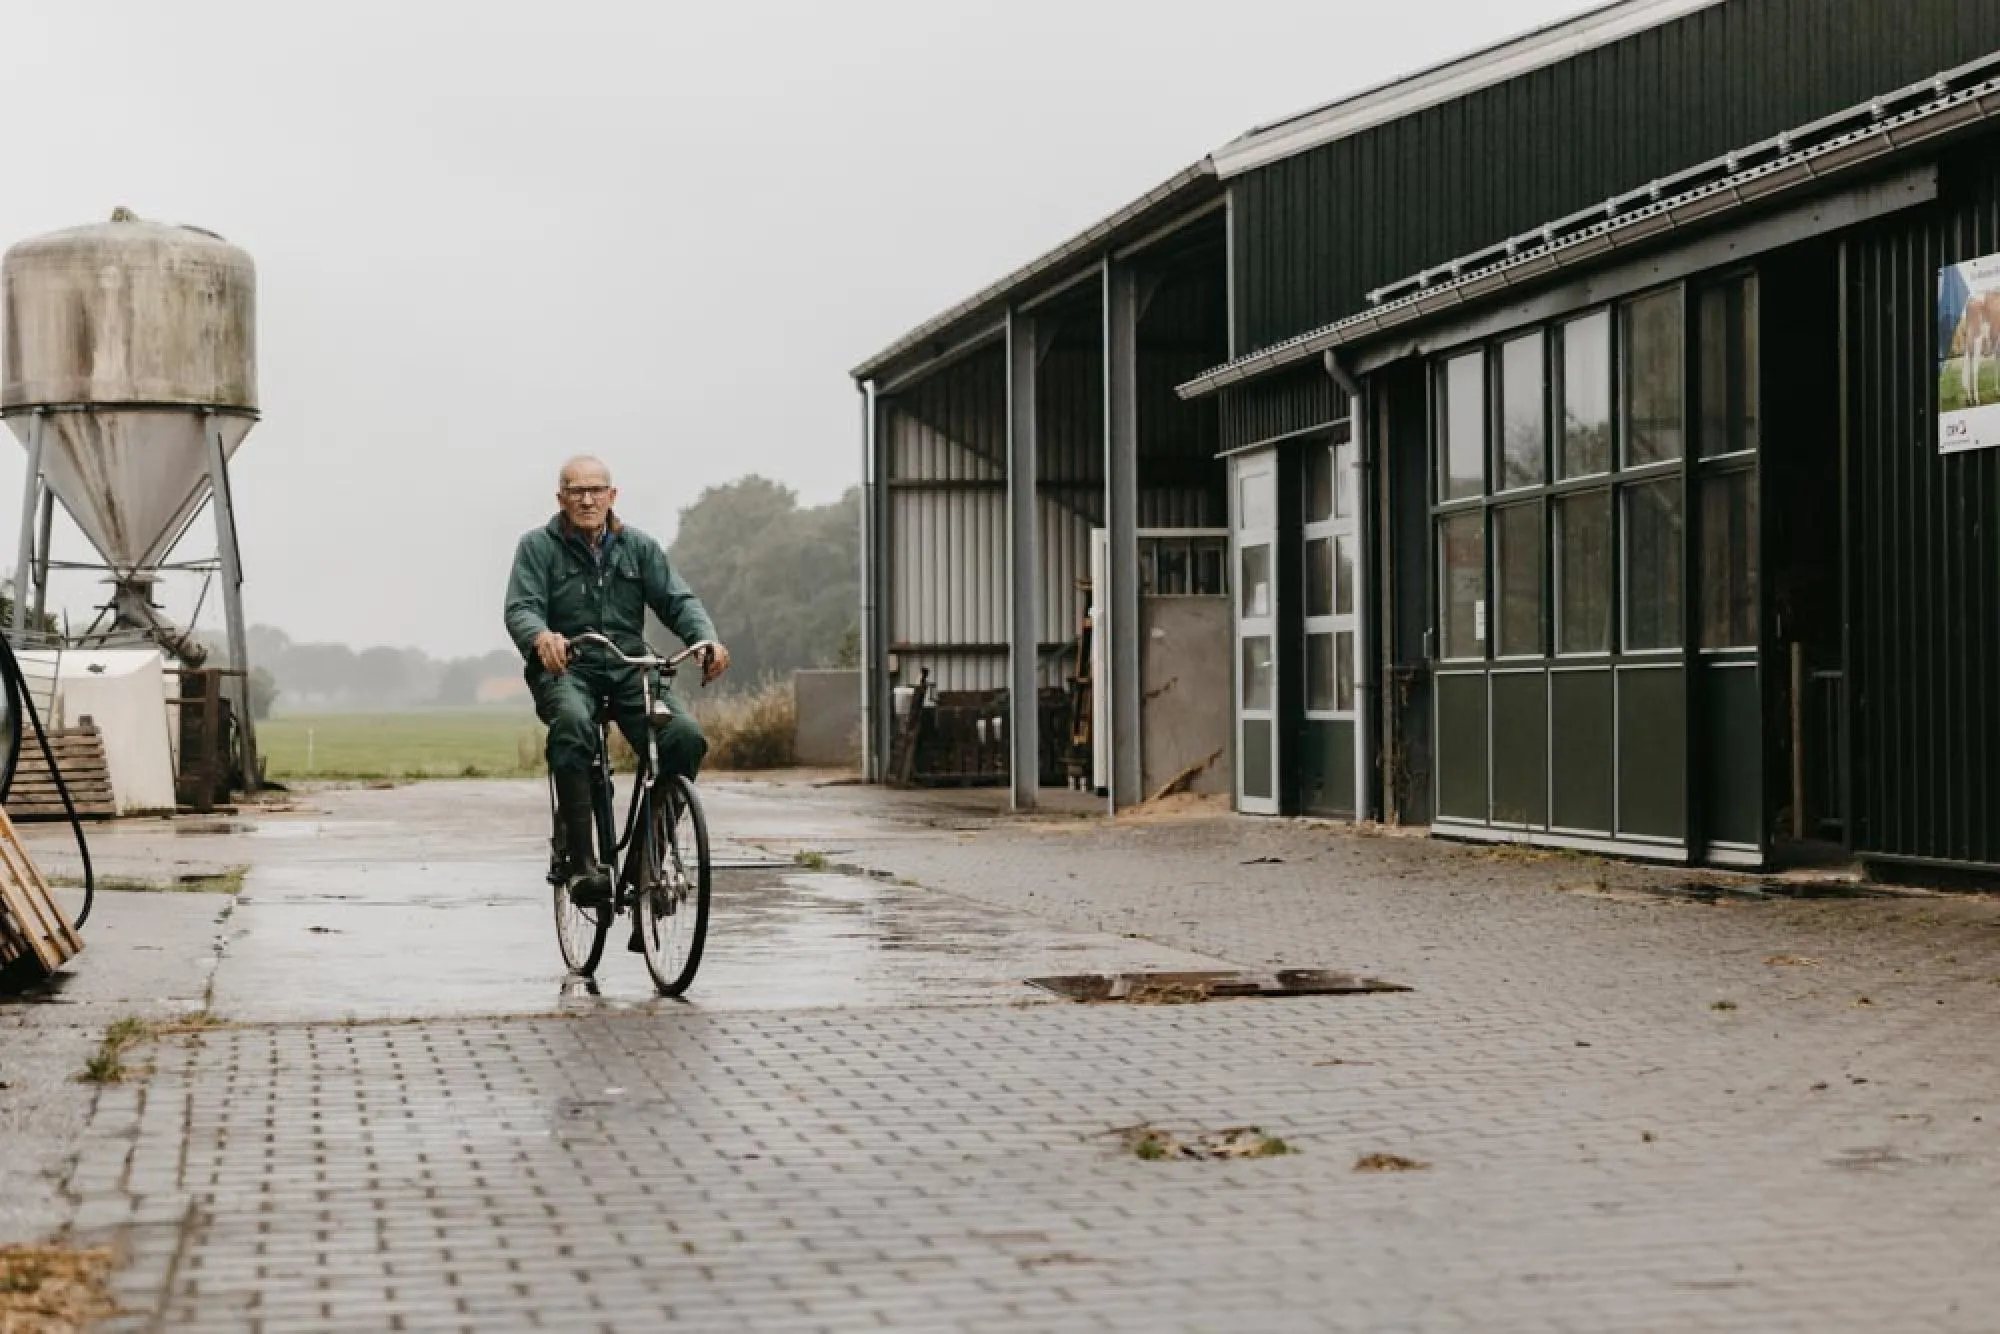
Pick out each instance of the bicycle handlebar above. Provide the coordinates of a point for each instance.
(644, 660)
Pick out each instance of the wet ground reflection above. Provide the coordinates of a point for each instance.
(458, 937)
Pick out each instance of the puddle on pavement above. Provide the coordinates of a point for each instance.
(1764, 891)
(1189, 988)
(468, 938)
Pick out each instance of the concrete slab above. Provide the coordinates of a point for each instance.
(145, 955)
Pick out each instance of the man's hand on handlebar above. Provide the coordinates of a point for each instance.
(553, 650)
(714, 660)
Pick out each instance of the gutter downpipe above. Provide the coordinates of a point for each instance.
(1358, 410)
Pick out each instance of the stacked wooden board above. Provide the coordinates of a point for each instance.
(79, 753)
(34, 934)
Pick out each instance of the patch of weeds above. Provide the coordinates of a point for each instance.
(53, 1288)
(1166, 993)
(107, 1064)
(1723, 1005)
(1151, 1144)
(809, 859)
(1388, 1162)
(194, 1021)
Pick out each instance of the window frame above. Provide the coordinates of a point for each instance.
(1615, 481)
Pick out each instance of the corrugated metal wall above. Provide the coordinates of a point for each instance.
(947, 438)
(1316, 232)
(948, 525)
(1923, 546)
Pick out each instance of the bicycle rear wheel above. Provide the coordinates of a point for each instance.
(674, 885)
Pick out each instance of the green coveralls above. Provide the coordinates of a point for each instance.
(559, 583)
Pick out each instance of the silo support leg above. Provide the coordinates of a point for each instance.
(232, 600)
(31, 488)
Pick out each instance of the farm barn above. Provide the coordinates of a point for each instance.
(1591, 442)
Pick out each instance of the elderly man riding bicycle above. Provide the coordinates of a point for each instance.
(586, 571)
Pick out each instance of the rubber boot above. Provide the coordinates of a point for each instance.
(589, 886)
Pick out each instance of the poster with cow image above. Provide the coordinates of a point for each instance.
(1969, 355)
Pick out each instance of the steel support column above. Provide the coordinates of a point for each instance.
(232, 596)
(878, 739)
(31, 489)
(870, 771)
(1121, 509)
(1023, 551)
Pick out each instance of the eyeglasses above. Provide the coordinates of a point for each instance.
(585, 492)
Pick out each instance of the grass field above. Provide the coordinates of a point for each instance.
(420, 743)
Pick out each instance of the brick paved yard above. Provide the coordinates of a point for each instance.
(1638, 1111)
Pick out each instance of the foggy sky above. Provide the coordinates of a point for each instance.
(491, 234)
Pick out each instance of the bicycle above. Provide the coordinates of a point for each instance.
(664, 826)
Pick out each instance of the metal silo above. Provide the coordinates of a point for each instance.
(129, 373)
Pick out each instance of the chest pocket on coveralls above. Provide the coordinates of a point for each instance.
(624, 594)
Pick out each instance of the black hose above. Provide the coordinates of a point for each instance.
(21, 701)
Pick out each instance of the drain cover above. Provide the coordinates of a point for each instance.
(1187, 988)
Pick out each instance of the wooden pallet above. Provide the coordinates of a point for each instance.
(34, 934)
(79, 753)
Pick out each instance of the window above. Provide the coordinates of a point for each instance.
(1257, 670)
(1651, 328)
(1343, 575)
(1583, 573)
(1729, 560)
(1343, 682)
(1517, 572)
(1462, 443)
(1319, 577)
(1729, 405)
(1586, 396)
(1343, 481)
(1573, 542)
(1183, 566)
(1257, 581)
(1320, 672)
(1726, 482)
(1652, 515)
(1523, 415)
(1462, 560)
(1256, 503)
(1328, 537)
(1319, 470)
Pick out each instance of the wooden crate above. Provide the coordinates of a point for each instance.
(34, 935)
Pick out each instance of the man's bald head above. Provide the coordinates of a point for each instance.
(584, 490)
(584, 470)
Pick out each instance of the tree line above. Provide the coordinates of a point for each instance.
(781, 580)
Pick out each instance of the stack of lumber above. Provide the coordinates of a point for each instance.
(79, 753)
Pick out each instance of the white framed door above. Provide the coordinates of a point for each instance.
(1254, 549)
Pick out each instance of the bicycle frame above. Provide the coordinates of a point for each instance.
(647, 663)
(662, 877)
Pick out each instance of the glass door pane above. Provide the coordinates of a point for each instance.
(1257, 604)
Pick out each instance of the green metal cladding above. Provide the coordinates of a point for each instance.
(1315, 233)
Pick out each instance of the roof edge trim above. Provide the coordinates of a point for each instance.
(1449, 81)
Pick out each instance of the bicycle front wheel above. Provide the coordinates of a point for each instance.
(580, 931)
(673, 902)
